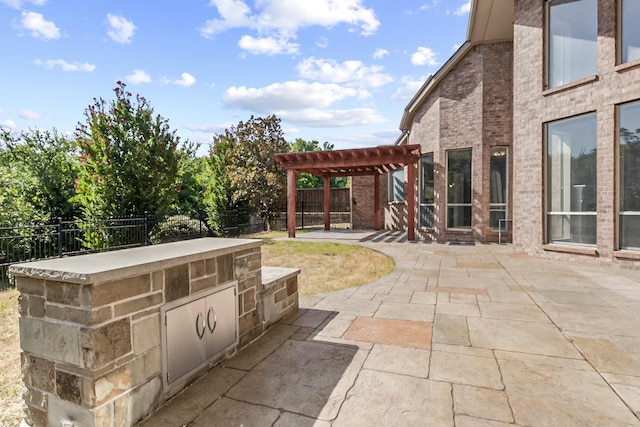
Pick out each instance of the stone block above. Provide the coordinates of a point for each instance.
(112, 384)
(77, 315)
(134, 406)
(197, 269)
(138, 304)
(61, 410)
(103, 345)
(225, 268)
(249, 300)
(69, 387)
(38, 373)
(241, 268)
(31, 286)
(176, 282)
(23, 305)
(36, 306)
(35, 416)
(64, 293)
(153, 362)
(146, 334)
(53, 341)
(35, 397)
(210, 266)
(203, 283)
(292, 286)
(247, 283)
(157, 281)
(281, 295)
(117, 290)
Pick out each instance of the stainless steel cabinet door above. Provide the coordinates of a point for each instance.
(186, 332)
(221, 317)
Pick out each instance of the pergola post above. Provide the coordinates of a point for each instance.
(291, 202)
(327, 203)
(376, 202)
(411, 202)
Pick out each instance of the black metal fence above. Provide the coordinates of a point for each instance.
(68, 237)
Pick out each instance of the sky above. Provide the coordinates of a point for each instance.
(340, 71)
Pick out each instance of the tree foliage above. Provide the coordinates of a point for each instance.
(37, 172)
(129, 158)
(253, 173)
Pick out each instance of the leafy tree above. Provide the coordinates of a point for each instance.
(307, 180)
(253, 173)
(219, 192)
(193, 178)
(129, 158)
(42, 166)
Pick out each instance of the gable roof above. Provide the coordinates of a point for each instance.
(490, 21)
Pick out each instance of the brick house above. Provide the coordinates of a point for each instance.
(533, 125)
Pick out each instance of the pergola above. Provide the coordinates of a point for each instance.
(374, 161)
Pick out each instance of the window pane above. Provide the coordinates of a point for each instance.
(630, 30)
(426, 191)
(573, 47)
(459, 189)
(571, 180)
(498, 186)
(397, 186)
(629, 185)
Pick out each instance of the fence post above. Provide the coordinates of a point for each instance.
(146, 228)
(237, 221)
(59, 237)
(303, 214)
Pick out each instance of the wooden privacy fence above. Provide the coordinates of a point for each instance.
(313, 199)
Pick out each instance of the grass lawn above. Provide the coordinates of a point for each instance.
(325, 267)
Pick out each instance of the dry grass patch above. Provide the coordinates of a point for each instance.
(10, 377)
(326, 266)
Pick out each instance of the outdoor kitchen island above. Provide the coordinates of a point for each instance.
(107, 338)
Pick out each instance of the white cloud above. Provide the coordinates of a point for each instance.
(408, 89)
(65, 66)
(206, 128)
(121, 29)
(322, 43)
(349, 72)
(138, 77)
(1, 111)
(333, 118)
(424, 56)
(288, 96)
(267, 45)
(380, 53)
(29, 115)
(8, 124)
(185, 80)
(17, 4)
(463, 9)
(39, 27)
(281, 19)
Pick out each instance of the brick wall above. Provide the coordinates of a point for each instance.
(533, 107)
(470, 108)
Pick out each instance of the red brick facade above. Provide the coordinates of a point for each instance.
(534, 106)
(471, 107)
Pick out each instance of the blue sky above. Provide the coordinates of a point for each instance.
(340, 71)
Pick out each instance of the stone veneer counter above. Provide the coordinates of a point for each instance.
(90, 325)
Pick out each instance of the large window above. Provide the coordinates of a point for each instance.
(397, 186)
(572, 40)
(571, 181)
(459, 189)
(630, 30)
(498, 180)
(629, 170)
(426, 191)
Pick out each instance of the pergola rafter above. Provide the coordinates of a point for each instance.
(375, 161)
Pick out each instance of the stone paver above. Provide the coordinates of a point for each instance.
(471, 336)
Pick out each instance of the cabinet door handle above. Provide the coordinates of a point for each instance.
(200, 321)
(215, 319)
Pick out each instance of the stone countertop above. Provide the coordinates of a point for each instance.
(272, 274)
(107, 266)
